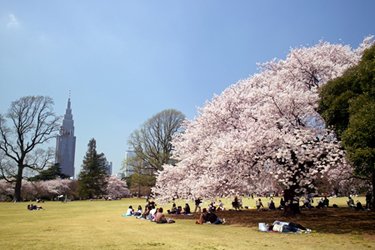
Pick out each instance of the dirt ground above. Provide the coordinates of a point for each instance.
(328, 220)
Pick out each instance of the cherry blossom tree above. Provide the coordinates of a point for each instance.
(57, 186)
(40, 189)
(6, 190)
(28, 191)
(261, 130)
(117, 188)
(301, 158)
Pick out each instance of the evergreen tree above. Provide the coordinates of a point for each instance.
(53, 172)
(92, 178)
(348, 105)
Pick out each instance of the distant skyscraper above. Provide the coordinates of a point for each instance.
(129, 168)
(66, 144)
(109, 168)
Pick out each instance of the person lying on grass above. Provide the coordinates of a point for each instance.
(33, 207)
(287, 227)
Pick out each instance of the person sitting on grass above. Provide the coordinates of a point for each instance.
(151, 214)
(236, 203)
(271, 205)
(179, 210)
(151, 204)
(350, 202)
(211, 207)
(173, 210)
(320, 203)
(139, 211)
(160, 218)
(202, 218)
(145, 213)
(220, 206)
(212, 218)
(130, 211)
(209, 217)
(359, 206)
(282, 204)
(187, 209)
(240, 202)
(325, 202)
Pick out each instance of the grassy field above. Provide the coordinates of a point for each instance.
(99, 225)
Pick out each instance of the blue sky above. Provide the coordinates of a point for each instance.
(125, 61)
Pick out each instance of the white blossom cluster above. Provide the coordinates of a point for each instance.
(116, 188)
(32, 190)
(262, 130)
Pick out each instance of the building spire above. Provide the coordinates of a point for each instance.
(69, 100)
(65, 143)
(68, 123)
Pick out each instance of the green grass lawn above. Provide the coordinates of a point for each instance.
(99, 225)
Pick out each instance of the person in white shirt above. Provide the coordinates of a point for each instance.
(130, 211)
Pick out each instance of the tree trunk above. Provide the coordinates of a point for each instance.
(17, 189)
(373, 191)
(291, 203)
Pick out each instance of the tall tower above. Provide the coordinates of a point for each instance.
(66, 144)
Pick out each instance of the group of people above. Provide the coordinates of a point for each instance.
(132, 212)
(179, 210)
(271, 204)
(323, 202)
(209, 217)
(357, 206)
(307, 201)
(150, 213)
(154, 214)
(237, 204)
(212, 207)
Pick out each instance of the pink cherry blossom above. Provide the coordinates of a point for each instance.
(263, 133)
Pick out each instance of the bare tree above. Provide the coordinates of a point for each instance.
(152, 142)
(32, 123)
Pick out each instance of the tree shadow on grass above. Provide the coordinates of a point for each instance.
(328, 220)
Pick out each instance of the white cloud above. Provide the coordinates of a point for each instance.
(12, 22)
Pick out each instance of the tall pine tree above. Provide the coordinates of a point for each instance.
(92, 178)
(52, 173)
